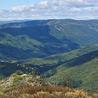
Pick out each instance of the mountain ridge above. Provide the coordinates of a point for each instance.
(51, 49)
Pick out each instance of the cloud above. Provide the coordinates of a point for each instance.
(43, 5)
(76, 9)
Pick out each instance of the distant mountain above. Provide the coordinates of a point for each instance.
(27, 39)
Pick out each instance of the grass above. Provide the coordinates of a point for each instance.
(85, 73)
(28, 91)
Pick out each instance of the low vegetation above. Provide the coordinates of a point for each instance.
(28, 91)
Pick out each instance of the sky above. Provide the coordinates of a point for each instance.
(48, 9)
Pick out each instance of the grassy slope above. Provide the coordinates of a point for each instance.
(86, 72)
(78, 65)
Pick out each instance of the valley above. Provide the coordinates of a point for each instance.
(61, 53)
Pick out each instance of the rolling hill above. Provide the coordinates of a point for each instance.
(77, 69)
(63, 52)
(41, 38)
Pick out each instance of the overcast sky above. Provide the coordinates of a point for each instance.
(48, 9)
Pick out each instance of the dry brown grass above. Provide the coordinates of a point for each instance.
(28, 91)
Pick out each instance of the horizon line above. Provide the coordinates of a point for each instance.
(47, 19)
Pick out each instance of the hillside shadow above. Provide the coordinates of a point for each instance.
(82, 59)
